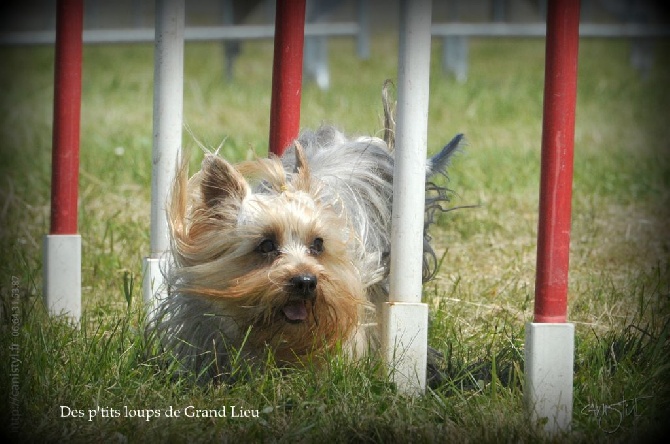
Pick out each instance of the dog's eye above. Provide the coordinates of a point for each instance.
(317, 246)
(267, 246)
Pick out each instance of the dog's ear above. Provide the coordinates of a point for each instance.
(302, 178)
(220, 181)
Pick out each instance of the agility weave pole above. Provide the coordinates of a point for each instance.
(167, 137)
(62, 246)
(404, 334)
(549, 351)
(286, 74)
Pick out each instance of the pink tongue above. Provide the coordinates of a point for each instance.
(295, 311)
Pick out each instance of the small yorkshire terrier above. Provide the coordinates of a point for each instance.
(288, 255)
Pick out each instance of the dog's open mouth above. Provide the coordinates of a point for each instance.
(295, 311)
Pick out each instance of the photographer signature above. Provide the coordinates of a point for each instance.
(611, 416)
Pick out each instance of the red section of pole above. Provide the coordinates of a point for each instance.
(558, 129)
(287, 74)
(66, 118)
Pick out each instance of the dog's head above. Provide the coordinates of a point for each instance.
(264, 246)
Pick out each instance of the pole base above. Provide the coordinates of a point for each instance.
(62, 275)
(549, 359)
(153, 284)
(405, 345)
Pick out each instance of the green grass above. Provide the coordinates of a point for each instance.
(482, 296)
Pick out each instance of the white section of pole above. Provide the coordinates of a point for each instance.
(406, 318)
(168, 115)
(410, 155)
(153, 282)
(405, 345)
(62, 275)
(168, 110)
(549, 360)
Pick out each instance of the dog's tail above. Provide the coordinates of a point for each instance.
(437, 196)
(439, 162)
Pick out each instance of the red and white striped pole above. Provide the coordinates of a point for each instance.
(287, 74)
(550, 339)
(62, 246)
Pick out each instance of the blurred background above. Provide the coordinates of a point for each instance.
(33, 21)
(487, 77)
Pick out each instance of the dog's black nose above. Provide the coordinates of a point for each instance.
(304, 285)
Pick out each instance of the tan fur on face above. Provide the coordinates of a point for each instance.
(217, 225)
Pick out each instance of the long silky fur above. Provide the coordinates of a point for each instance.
(354, 177)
